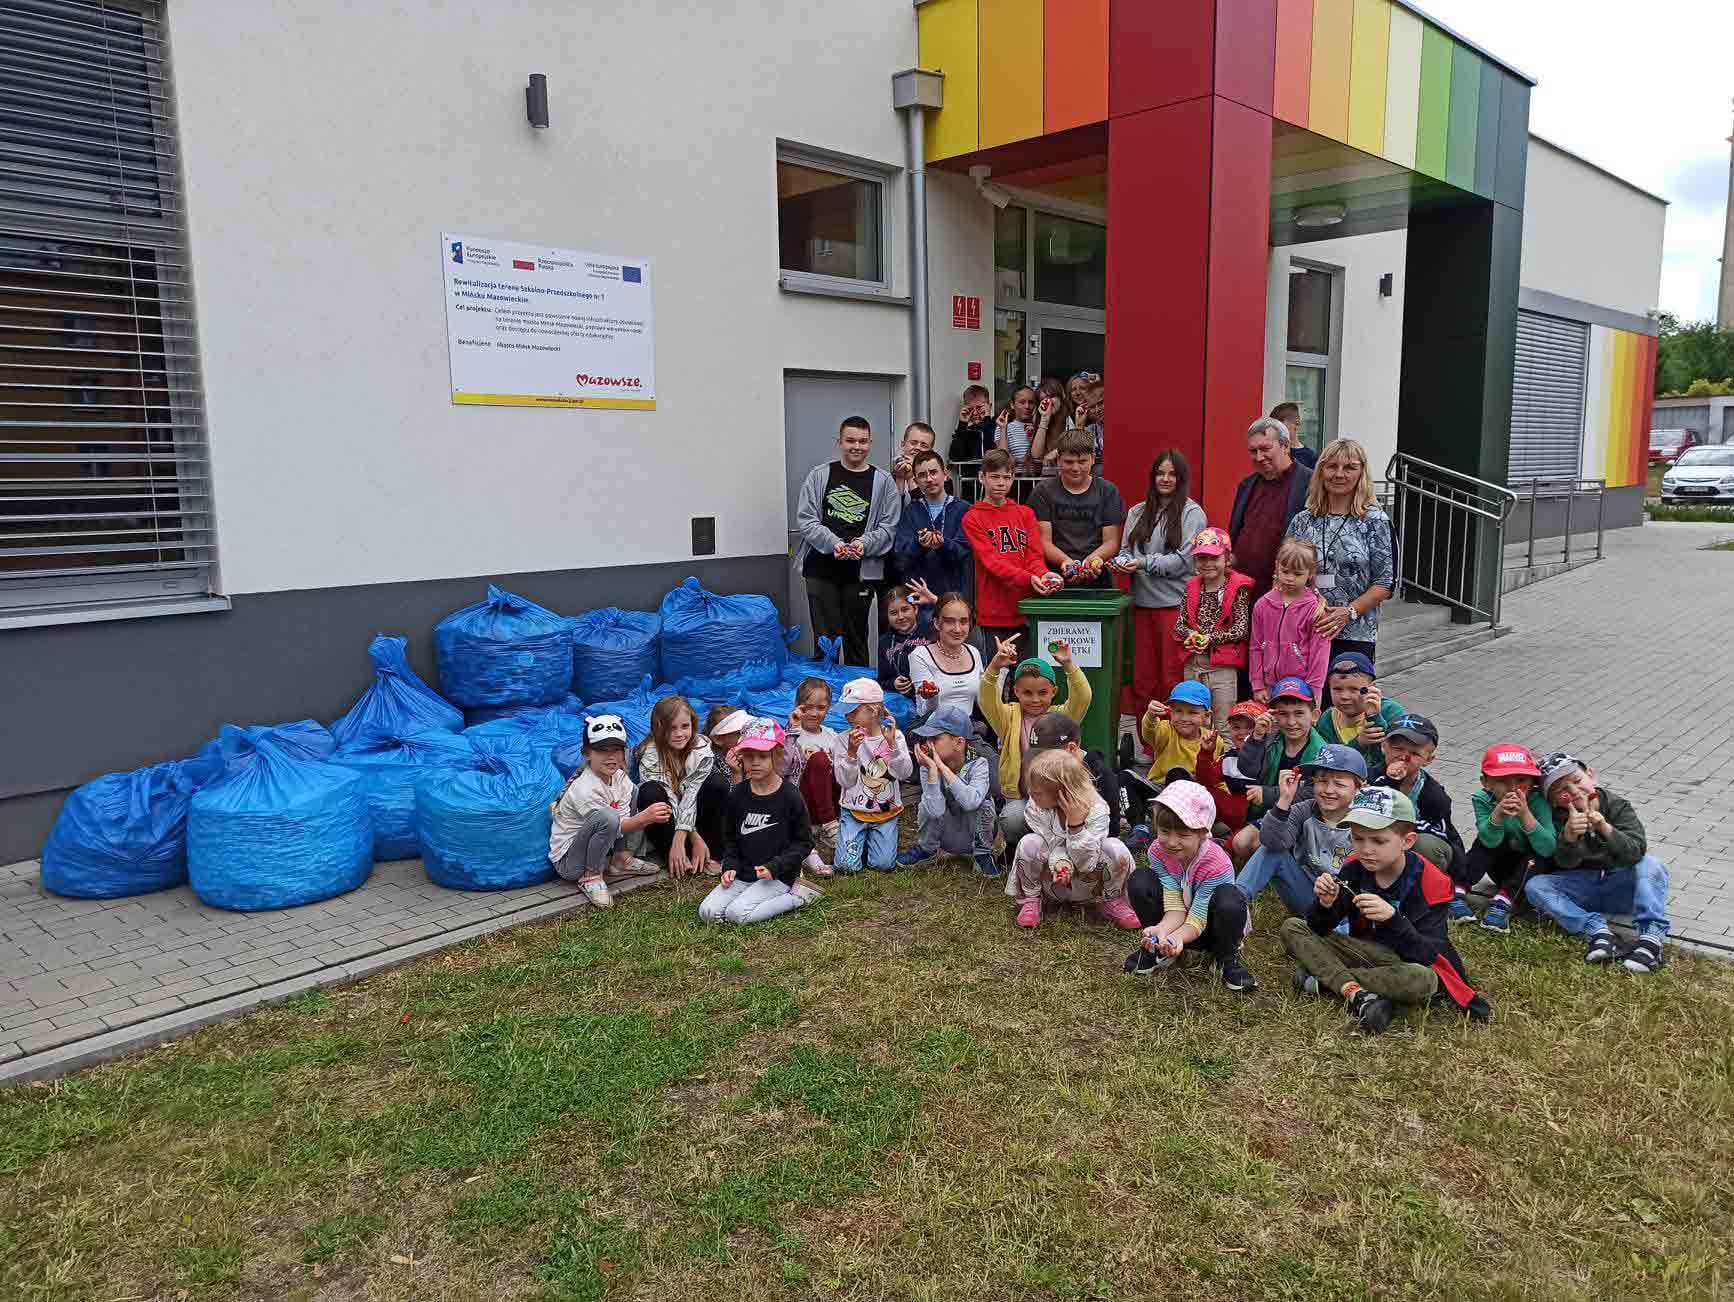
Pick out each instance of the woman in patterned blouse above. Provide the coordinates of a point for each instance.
(1357, 565)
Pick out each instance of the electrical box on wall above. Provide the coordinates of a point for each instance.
(975, 370)
(704, 535)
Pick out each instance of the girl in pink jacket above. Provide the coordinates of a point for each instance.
(1284, 642)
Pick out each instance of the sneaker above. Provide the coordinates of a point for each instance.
(1304, 984)
(1235, 976)
(815, 865)
(1030, 912)
(912, 856)
(1119, 912)
(1479, 1010)
(1645, 956)
(986, 864)
(1498, 916)
(596, 891)
(1460, 910)
(1138, 839)
(1141, 962)
(1372, 1011)
(1602, 947)
(632, 867)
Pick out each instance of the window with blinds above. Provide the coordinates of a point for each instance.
(104, 485)
(1547, 398)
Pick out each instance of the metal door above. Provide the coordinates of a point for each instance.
(814, 406)
(1061, 346)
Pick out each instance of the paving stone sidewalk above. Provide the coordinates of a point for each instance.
(1625, 662)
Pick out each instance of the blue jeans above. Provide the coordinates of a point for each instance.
(1580, 900)
(865, 845)
(1292, 882)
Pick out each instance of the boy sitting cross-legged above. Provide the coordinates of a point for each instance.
(956, 811)
(1300, 839)
(1263, 758)
(1513, 825)
(1398, 950)
(1601, 865)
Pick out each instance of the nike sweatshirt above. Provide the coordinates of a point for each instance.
(766, 831)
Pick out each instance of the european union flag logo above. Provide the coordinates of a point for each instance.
(632, 275)
(457, 250)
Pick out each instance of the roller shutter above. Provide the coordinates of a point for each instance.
(1547, 398)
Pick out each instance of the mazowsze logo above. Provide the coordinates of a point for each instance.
(611, 381)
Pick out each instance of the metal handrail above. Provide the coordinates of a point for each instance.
(1454, 511)
(1570, 490)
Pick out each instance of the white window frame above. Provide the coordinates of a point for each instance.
(885, 176)
(1330, 363)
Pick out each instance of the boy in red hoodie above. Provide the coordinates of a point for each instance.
(1007, 543)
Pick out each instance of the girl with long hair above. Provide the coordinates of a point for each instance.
(673, 765)
(1156, 552)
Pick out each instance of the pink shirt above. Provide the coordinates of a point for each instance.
(1284, 642)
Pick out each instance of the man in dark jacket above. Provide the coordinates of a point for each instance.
(1601, 865)
(1267, 499)
(1397, 905)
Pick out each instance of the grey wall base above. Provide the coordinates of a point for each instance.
(1621, 508)
(97, 698)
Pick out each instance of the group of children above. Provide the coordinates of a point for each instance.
(1271, 761)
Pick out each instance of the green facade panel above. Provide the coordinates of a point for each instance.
(1465, 117)
(1434, 118)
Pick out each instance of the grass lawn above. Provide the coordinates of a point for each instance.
(891, 1094)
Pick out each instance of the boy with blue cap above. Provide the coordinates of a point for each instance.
(956, 811)
(1301, 838)
(1358, 715)
(1182, 748)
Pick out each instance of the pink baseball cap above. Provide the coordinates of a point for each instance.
(1191, 803)
(861, 691)
(1211, 541)
(761, 734)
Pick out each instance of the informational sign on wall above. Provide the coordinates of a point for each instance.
(1084, 636)
(965, 312)
(531, 326)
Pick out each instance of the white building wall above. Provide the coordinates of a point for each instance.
(326, 146)
(1369, 330)
(1589, 236)
(959, 261)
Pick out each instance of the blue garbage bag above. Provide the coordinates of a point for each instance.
(754, 676)
(488, 713)
(388, 766)
(301, 740)
(705, 634)
(398, 703)
(613, 651)
(634, 709)
(126, 833)
(277, 830)
(485, 823)
(504, 650)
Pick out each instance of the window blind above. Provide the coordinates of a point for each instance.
(104, 477)
(1547, 398)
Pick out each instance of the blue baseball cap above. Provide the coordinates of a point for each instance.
(946, 721)
(1352, 662)
(1297, 688)
(1190, 692)
(1339, 759)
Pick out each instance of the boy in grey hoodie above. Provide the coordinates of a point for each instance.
(847, 515)
(1301, 839)
(956, 813)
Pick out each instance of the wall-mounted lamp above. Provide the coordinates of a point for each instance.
(536, 100)
(1387, 285)
(997, 195)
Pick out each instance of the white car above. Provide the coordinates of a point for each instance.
(1703, 474)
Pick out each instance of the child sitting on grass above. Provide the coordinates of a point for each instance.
(593, 816)
(1186, 898)
(1359, 714)
(870, 761)
(1398, 949)
(1409, 746)
(1299, 839)
(807, 763)
(1181, 746)
(1034, 686)
(1067, 854)
(766, 835)
(674, 763)
(1513, 824)
(1264, 758)
(1600, 865)
(1215, 620)
(1284, 642)
(956, 812)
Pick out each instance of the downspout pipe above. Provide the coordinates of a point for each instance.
(913, 92)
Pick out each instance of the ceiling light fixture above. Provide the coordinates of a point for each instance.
(1320, 214)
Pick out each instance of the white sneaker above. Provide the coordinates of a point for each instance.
(596, 891)
(632, 868)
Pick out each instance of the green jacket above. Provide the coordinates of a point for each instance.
(1389, 712)
(1510, 834)
(1260, 761)
(1624, 848)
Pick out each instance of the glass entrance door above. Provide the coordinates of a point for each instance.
(1060, 347)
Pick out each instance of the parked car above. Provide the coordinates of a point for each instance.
(1701, 475)
(1667, 444)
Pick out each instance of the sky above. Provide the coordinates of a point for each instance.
(1644, 90)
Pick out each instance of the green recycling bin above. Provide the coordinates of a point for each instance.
(1094, 621)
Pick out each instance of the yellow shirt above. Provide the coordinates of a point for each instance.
(1169, 750)
(1346, 732)
(1006, 719)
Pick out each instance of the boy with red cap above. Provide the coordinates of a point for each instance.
(1513, 825)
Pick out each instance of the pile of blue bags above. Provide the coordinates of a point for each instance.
(271, 817)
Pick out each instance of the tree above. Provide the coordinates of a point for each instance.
(1695, 350)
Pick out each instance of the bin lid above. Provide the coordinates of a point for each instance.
(1083, 603)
